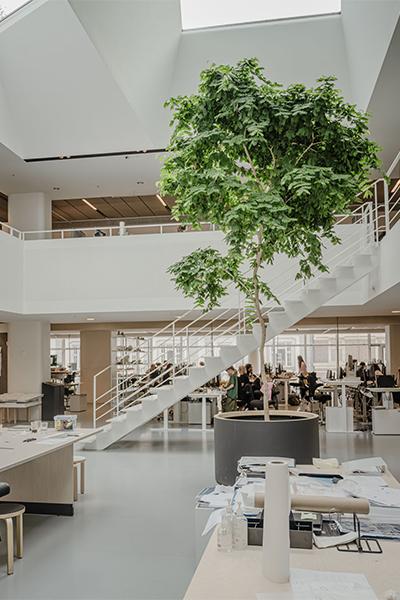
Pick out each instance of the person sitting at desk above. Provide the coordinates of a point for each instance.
(245, 394)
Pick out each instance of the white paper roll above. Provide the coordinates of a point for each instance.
(276, 522)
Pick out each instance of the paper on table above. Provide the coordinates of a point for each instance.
(323, 585)
(374, 464)
(214, 519)
(325, 462)
(329, 541)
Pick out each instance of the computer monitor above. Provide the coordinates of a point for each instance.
(385, 381)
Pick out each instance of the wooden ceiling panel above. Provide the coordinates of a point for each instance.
(3, 209)
(123, 207)
(112, 208)
(87, 212)
(156, 207)
(106, 208)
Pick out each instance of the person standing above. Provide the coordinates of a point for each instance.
(230, 402)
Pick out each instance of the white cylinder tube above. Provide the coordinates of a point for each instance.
(276, 522)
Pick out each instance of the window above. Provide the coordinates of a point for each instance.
(9, 6)
(65, 351)
(217, 13)
(319, 350)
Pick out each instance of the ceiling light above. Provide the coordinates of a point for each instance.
(89, 204)
(161, 200)
(396, 186)
(396, 312)
(90, 319)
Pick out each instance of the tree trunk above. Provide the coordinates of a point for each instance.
(261, 320)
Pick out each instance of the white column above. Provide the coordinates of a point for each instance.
(28, 355)
(393, 349)
(254, 359)
(30, 212)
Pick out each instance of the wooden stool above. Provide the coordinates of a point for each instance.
(79, 461)
(9, 510)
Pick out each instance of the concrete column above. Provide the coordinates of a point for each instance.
(30, 212)
(392, 349)
(95, 356)
(254, 359)
(28, 355)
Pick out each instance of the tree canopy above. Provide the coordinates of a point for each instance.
(270, 166)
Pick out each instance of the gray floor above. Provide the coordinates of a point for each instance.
(133, 533)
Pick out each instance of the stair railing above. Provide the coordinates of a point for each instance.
(367, 214)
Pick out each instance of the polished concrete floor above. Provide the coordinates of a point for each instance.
(133, 534)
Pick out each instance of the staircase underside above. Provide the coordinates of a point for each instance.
(295, 307)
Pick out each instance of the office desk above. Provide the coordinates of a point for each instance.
(17, 402)
(204, 396)
(40, 473)
(238, 575)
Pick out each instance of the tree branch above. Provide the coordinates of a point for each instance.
(253, 169)
(313, 143)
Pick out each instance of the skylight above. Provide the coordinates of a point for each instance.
(198, 14)
(9, 6)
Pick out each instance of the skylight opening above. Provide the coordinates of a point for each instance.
(219, 13)
(9, 6)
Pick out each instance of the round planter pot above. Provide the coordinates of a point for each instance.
(289, 434)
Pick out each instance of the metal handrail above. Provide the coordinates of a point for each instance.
(371, 218)
(145, 379)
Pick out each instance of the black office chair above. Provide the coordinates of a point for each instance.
(4, 489)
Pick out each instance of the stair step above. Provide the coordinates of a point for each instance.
(362, 260)
(134, 408)
(345, 272)
(246, 342)
(230, 354)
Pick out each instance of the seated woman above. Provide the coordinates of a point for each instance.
(244, 388)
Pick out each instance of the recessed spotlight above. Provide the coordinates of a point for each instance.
(90, 319)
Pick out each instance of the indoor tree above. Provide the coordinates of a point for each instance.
(270, 167)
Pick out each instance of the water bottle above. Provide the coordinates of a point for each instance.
(239, 529)
(224, 534)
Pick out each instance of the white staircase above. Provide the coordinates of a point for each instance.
(120, 411)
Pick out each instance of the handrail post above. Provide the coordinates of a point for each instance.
(386, 198)
(118, 391)
(174, 351)
(94, 400)
(187, 346)
(376, 220)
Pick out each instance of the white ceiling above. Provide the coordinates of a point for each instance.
(83, 77)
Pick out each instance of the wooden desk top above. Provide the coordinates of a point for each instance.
(14, 451)
(238, 575)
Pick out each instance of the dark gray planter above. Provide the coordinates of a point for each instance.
(290, 434)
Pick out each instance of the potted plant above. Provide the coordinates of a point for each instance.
(270, 167)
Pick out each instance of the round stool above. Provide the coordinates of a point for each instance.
(79, 462)
(9, 510)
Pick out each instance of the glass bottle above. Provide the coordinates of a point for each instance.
(239, 529)
(224, 535)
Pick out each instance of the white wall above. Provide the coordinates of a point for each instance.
(368, 26)
(11, 282)
(300, 50)
(124, 274)
(129, 274)
(28, 355)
